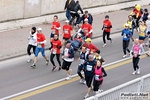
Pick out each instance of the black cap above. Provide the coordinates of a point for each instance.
(106, 16)
(34, 28)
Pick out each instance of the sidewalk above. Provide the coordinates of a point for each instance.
(14, 43)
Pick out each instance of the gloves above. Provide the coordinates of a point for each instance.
(50, 48)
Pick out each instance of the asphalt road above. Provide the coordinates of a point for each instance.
(17, 76)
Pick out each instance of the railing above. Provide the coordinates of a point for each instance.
(141, 84)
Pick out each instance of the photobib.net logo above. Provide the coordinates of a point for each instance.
(134, 95)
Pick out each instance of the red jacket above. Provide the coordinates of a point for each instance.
(107, 25)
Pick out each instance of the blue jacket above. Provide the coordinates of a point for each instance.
(126, 33)
(89, 67)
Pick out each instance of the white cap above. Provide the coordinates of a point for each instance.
(67, 21)
(39, 29)
(85, 19)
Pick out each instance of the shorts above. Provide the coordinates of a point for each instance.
(88, 80)
(141, 38)
(66, 39)
(66, 65)
(42, 50)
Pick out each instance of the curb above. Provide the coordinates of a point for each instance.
(17, 24)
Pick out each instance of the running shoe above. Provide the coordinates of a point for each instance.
(68, 78)
(100, 90)
(84, 82)
(124, 56)
(138, 71)
(104, 45)
(59, 68)
(53, 68)
(47, 62)
(134, 73)
(81, 81)
(33, 65)
(29, 60)
(86, 96)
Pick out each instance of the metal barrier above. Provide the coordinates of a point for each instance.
(141, 84)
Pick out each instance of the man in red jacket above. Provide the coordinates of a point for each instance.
(106, 29)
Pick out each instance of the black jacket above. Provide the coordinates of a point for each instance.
(70, 6)
(77, 7)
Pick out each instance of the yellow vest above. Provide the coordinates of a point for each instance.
(142, 31)
(130, 24)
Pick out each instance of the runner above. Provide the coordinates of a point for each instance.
(148, 33)
(89, 73)
(68, 58)
(145, 15)
(126, 33)
(136, 51)
(142, 33)
(55, 50)
(99, 72)
(106, 29)
(83, 58)
(91, 48)
(32, 43)
(67, 32)
(86, 29)
(41, 40)
(55, 28)
(131, 23)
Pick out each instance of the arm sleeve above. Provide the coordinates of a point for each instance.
(131, 50)
(104, 72)
(43, 42)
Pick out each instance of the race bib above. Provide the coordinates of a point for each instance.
(124, 36)
(66, 31)
(54, 51)
(96, 77)
(81, 61)
(135, 54)
(89, 68)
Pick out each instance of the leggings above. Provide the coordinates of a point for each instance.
(88, 80)
(135, 63)
(108, 36)
(125, 46)
(57, 57)
(80, 68)
(97, 84)
(29, 49)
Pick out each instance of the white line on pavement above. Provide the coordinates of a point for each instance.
(60, 80)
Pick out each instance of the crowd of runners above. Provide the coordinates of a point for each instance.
(90, 61)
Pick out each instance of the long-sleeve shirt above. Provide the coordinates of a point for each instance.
(126, 33)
